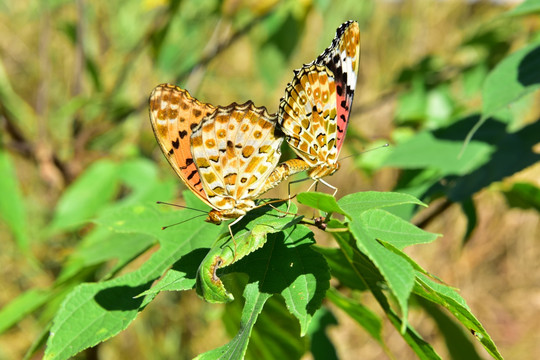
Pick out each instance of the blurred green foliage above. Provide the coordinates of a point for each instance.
(81, 235)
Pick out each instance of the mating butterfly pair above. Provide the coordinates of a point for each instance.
(228, 156)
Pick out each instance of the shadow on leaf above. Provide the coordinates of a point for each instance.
(512, 153)
(121, 298)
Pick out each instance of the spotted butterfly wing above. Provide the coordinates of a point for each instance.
(308, 118)
(342, 57)
(236, 149)
(315, 109)
(174, 113)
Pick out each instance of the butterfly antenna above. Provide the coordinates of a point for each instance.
(363, 152)
(181, 222)
(180, 206)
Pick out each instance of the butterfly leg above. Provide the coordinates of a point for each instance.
(289, 197)
(330, 186)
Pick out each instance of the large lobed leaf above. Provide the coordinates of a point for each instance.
(250, 234)
(94, 312)
(285, 265)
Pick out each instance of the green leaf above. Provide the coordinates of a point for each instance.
(434, 150)
(451, 300)
(523, 196)
(182, 275)
(514, 151)
(102, 245)
(525, 8)
(421, 348)
(298, 272)
(151, 218)
(92, 313)
(371, 277)
(12, 209)
(392, 229)
(95, 312)
(236, 348)
(141, 177)
(91, 192)
(356, 204)
(439, 107)
(412, 104)
(341, 269)
(321, 344)
(511, 79)
(320, 201)
(21, 306)
(457, 342)
(276, 334)
(250, 235)
(397, 272)
(474, 78)
(359, 313)
(363, 272)
(287, 265)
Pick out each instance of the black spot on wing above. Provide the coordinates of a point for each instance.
(176, 143)
(192, 174)
(182, 134)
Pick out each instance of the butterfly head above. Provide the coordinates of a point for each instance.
(214, 217)
(231, 213)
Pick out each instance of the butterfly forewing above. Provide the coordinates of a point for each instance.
(342, 57)
(174, 113)
(308, 115)
(315, 110)
(236, 149)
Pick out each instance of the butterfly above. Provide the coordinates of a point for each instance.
(227, 156)
(314, 113)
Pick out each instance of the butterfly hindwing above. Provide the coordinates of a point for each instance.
(236, 149)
